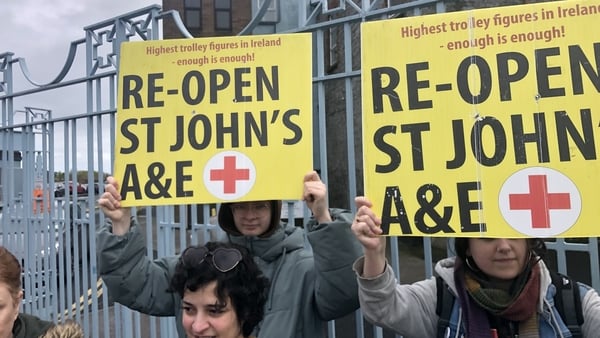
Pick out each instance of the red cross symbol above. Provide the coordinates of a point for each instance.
(539, 201)
(229, 174)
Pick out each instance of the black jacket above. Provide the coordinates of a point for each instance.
(28, 326)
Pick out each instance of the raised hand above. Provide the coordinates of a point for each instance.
(110, 203)
(315, 196)
(367, 229)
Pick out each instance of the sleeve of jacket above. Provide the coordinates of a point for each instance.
(590, 307)
(406, 309)
(131, 277)
(335, 248)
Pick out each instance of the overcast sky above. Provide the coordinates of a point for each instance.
(40, 31)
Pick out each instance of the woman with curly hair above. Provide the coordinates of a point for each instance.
(222, 289)
(309, 268)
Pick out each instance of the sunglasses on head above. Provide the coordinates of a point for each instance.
(223, 259)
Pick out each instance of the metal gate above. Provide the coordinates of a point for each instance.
(50, 223)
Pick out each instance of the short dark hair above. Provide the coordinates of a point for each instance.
(461, 244)
(11, 271)
(245, 285)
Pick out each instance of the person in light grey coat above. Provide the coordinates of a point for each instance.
(502, 289)
(309, 285)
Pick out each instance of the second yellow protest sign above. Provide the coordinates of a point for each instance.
(484, 122)
(210, 120)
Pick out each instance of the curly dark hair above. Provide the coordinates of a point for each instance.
(244, 284)
(461, 244)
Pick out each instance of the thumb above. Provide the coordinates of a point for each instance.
(362, 201)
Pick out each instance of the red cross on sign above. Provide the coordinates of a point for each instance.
(230, 174)
(539, 201)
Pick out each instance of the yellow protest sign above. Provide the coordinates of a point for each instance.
(214, 119)
(484, 123)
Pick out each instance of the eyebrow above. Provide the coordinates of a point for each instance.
(217, 305)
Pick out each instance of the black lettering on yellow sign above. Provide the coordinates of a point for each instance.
(158, 185)
(511, 67)
(567, 135)
(485, 80)
(427, 219)
(195, 85)
(467, 207)
(570, 136)
(150, 122)
(200, 131)
(415, 130)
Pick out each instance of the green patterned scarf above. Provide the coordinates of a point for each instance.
(517, 304)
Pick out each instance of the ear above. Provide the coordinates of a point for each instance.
(19, 298)
(17, 304)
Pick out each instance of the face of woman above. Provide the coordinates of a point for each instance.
(203, 317)
(252, 218)
(499, 258)
(9, 310)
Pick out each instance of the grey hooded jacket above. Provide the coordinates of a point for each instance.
(409, 309)
(309, 285)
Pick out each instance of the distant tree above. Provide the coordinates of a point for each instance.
(59, 176)
(82, 176)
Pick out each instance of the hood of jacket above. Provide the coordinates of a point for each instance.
(284, 239)
(270, 253)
